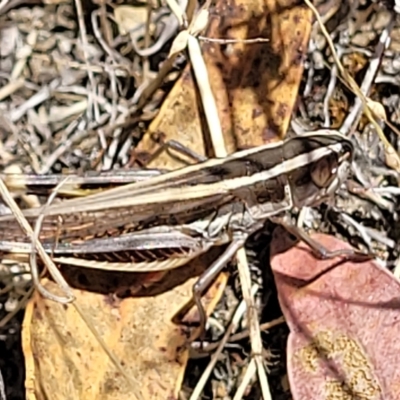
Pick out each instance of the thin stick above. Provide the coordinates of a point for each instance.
(24, 224)
(21, 305)
(214, 125)
(85, 46)
(392, 158)
(247, 377)
(254, 326)
(384, 41)
(207, 97)
(231, 328)
(58, 278)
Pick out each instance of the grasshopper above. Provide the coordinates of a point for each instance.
(157, 220)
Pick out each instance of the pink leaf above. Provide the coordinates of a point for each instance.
(344, 320)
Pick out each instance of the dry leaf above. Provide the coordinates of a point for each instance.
(69, 363)
(179, 119)
(256, 84)
(64, 360)
(343, 318)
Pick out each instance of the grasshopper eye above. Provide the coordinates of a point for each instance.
(324, 171)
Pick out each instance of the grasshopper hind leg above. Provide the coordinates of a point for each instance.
(320, 251)
(204, 282)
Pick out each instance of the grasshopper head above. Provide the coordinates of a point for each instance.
(319, 181)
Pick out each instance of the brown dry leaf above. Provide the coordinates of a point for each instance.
(64, 360)
(69, 363)
(344, 319)
(178, 119)
(256, 84)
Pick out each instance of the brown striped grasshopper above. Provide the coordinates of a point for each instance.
(161, 220)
